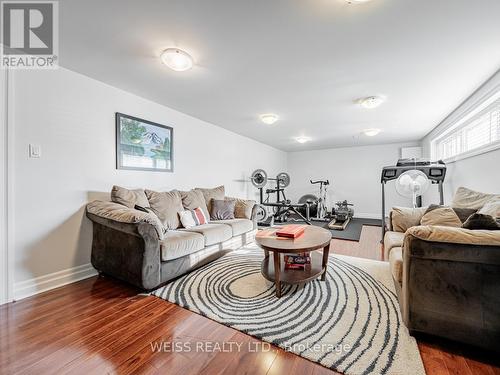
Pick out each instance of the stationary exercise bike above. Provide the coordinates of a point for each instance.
(321, 208)
(318, 209)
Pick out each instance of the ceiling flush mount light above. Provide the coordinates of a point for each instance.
(302, 139)
(269, 118)
(371, 102)
(371, 132)
(357, 1)
(177, 59)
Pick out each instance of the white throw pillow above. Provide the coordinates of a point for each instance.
(492, 208)
(192, 218)
(186, 218)
(467, 198)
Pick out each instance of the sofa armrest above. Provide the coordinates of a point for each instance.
(126, 243)
(453, 244)
(392, 240)
(450, 283)
(436, 233)
(122, 218)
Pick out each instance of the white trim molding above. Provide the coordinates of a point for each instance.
(44, 283)
(477, 151)
(7, 188)
(363, 215)
(4, 279)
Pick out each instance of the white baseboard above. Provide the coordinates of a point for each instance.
(362, 215)
(41, 284)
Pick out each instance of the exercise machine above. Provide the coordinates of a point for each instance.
(321, 208)
(342, 215)
(282, 206)
(318, 209)
(435, 172)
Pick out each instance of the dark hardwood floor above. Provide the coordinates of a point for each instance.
(100, 325)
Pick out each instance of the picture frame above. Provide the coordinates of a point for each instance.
(143, 145)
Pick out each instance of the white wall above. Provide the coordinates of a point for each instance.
(354, 174)
(480, 172)
(72, 117)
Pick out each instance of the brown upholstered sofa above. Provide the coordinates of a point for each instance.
(147, 246)
(447, 278)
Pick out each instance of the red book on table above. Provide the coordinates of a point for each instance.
(291, 231)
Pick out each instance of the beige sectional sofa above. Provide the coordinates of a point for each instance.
(447, 278)
(139, 239)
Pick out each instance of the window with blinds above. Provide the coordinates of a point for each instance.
(480, 129)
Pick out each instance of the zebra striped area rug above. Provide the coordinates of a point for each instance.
(350, 323)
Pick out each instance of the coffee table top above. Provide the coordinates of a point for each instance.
(314, 238)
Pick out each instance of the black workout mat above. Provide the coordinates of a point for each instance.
(351, 233)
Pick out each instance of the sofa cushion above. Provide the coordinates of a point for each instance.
(213, 233)
(467, 198)
(166, 205)
(392, 240)
(129, 198)
(242, 208)
(238, 226)
(403, 218)
(396, 263)
(214, 193)
(177, 244)
(440, 215)
(222, 210)
(193, 199)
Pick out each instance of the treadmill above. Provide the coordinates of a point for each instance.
(435, 171)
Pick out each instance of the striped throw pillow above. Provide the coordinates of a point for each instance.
(192, 218)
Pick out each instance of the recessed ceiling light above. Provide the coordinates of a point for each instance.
(371, 132)
(177, 59)
(269, 118)
(302, 139)
(371, 102)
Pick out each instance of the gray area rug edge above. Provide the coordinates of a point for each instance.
(232, 292)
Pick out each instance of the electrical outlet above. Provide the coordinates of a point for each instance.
(35, 151)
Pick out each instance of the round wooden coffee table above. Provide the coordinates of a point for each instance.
(314, 238)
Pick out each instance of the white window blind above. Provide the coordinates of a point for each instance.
(480, 129)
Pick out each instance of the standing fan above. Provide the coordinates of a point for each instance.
(412, 184)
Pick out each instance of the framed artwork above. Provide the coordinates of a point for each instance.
(143, 145)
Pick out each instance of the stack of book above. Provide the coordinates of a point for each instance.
(297, 261)
(291, 231)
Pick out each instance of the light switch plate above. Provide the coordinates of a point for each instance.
(35, 151)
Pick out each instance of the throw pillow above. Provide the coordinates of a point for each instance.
(128, 197)
(481, 221)
(402, 218)
(166, 206)
(492, 208)
(242, 208)
(222, 209)
(442, 216)
(214, 193)
(193, 218)
(193, 199)
(467, 198)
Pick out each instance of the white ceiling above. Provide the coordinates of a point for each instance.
(305, 60)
